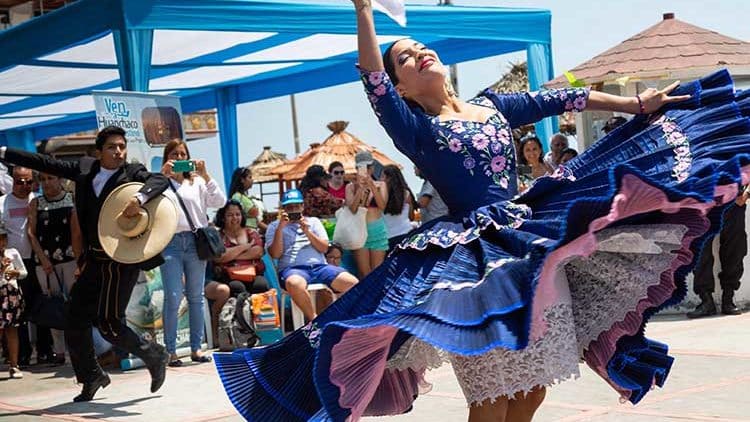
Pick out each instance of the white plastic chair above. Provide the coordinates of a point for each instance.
(298, 318)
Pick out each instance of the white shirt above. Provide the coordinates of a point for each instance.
(399, 224)
(101, 179)
(197, 196)
(16, 263)
(14, 213)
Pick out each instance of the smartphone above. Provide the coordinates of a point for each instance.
(183, 166)
(524, 170)
(294, 216)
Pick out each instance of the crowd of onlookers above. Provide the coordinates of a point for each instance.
(41, 241)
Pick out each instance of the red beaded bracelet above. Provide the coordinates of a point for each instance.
(640, 104)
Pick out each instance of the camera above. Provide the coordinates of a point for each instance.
(183, 166)
(294, 216)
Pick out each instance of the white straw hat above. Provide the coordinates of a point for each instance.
(137, 239)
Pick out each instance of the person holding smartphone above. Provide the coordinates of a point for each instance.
(368, 191)
(300, 244)
(191, 184)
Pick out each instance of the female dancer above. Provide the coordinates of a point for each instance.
(513, 292)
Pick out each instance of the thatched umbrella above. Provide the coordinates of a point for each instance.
(265, 162)
(340, 146)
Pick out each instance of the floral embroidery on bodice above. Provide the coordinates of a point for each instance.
(485, 148)
(471, 164)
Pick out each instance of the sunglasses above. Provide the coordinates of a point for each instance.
(338, 172)
(21, 182)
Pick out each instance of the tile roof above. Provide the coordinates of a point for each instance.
(668, 46)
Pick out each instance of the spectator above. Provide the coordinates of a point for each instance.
(399, 210)
(194, 192)
(337, 184)
(531, 156)
(568, 154)
(252, 206)
(299, 243)
(318, 201)
(557, 144)
(334, 254)
(430, 203)
(15, 211)
(613, 123)
(244, 247)
(732, 251)
(55, 237)
(11, 300)
(367, 192)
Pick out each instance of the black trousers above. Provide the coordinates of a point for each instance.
(732, 250)
(99, 297)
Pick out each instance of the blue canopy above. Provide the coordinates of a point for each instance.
(219, 53)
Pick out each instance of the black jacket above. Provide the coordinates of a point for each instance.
(88, 205)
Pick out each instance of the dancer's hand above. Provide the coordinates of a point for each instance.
(362, 4)
(653, 99)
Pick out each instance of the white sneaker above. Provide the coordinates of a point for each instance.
(15, 372)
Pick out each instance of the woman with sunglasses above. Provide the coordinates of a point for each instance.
(337, 183)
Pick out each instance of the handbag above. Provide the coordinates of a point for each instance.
(208, 241)
(49, 310)
(351, 229)
(244, 273)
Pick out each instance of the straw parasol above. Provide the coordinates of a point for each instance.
(340, 146)
(265, 162)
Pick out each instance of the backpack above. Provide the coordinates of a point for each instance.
(235, 327)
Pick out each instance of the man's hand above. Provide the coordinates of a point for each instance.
(283, 219)
(133, 208)
(742, 199)
(304, 225)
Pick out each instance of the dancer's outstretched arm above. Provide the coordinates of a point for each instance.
(650, 100)
(367, 42)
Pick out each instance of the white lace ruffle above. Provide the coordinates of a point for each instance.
(502, 372)
(609, 283)
(603, 288)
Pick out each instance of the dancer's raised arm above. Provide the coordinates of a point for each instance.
(367, 42)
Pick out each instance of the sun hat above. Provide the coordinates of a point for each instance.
(363, 158)
(140, 238)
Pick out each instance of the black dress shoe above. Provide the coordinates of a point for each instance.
(727, 304)
(706, 308)
(90, 388)
(157, 365)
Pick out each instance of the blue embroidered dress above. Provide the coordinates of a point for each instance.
(515, 290)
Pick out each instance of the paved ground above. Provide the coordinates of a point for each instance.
(710, 382)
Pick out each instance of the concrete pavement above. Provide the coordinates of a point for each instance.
(710, 381)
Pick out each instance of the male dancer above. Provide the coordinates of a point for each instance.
(102, 291)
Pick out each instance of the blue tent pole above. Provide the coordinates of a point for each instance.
(539, 59)
(226, 108)
(21, 139)
(133, 49)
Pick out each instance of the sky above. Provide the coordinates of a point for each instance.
(580, 30)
